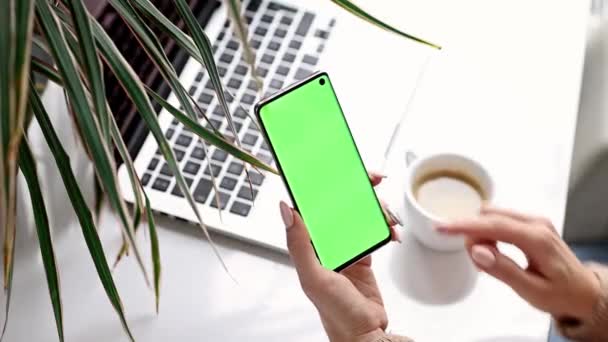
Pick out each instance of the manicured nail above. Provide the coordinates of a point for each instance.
(286, 215)
(397, 235)
(375, 174)
(483, 256)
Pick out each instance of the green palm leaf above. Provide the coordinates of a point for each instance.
(27, 165)
(357, 11)
(97, 146)
(85, 217)
(126, 77)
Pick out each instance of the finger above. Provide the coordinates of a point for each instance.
(300, 248)
(490, 210)
(490, 260)
(375, 178)
(493, 228)
(391, 218)
(395, 235)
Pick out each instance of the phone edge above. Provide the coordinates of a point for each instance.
(256, 109)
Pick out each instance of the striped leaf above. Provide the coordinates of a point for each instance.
(85, 217)
(98, 147)
(357, 11)
(27, 165)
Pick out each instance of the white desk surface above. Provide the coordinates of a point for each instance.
(504, 90)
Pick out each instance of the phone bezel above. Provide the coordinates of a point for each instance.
(283, 92)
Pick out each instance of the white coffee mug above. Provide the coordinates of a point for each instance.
(423, 223)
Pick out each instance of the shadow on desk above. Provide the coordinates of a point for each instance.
(431, 277)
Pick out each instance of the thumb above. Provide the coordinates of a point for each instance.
(298, 243)
(490, 260)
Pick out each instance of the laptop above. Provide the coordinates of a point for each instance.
(374, 73)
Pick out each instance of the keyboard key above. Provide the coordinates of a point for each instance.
(153, 164)
(165, 170)
(276, 84)
(183, 140)
(267, 58)
(266, 19)
(247, 193)
(256, 177)
(219, 155)
(226, 58)
(320, 48)
(253, 127)
(332, 22)
(216, 123)
(177, 191)
(286, 20)
(248, 99)
(254, 5)
(249, 18)
(312, 60)
(256, 44)
(273, 46)
(294, 44)
(228, 183)
(191, 167)
(236, 168)
(264, 157)
(198, 153)
(261, 31)
(277, 7)
(160, 184)
(240, 113)
(192, 91)
(202, 190)
(262, 71)
(264, 146)
(179, 154)
(216, 169)
(305, 24)
(198, 77)
(302, 74)
(222, 71)
(240, 208)
(322, 34)
(232, 45)
(145, 179)
(234, 83)
(240, 70)
(282, 70)
(280, 33)
(250, 139)
(174, 122)
(205, 98)
(223, 198)
(221, 36)
(289, 57)
(218, 113)
(252, 85)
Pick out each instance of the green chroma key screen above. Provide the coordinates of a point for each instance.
(320, 163)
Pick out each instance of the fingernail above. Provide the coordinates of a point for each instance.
(395, 217)
(376, 174)
(286, 215)
(483, 256)
(442, 229)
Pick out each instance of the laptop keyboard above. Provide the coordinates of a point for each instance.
(278, 34)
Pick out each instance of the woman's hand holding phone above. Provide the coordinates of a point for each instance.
(349, 303)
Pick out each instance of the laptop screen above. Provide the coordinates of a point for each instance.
(132, 128)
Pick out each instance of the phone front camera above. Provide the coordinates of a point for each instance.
(322, 81)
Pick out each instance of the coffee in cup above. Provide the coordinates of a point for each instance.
(441, 188)
(449, 194)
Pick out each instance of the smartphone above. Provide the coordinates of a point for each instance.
(321, 167)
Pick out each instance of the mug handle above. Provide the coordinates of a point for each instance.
(410, 156)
